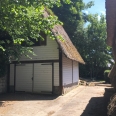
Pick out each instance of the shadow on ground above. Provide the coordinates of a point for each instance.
(1, 103)
(25, 97)
(97, 106)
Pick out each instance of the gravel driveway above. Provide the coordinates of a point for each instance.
(82, 101)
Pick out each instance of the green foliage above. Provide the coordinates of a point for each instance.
(71, 15)
(90, 39)
(106, 73)
(21, 20)
(93, 48)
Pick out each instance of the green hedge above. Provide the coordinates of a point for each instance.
(106, 78)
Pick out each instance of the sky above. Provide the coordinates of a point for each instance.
(99, 7)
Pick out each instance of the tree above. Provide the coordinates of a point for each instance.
(21, 20)
(72, 15)
(93, 47)
(89, 39)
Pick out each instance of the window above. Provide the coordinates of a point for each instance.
(40, 42)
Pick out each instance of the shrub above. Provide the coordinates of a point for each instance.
(106, 78)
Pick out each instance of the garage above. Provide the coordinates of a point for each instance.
(53, 69)
(24, 74)
(42, 77)
(33, 77)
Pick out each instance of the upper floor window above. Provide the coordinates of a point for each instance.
(39, 42)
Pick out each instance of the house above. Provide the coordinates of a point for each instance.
(54, 69)
(111, 35)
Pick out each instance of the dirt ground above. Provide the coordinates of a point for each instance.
(81, 101)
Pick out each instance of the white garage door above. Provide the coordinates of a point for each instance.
(42, 77)
(24, 76)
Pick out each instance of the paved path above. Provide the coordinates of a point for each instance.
(82, 101)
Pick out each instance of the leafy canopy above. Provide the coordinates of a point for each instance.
(92, 45)
(21, 20)
(88, 38)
